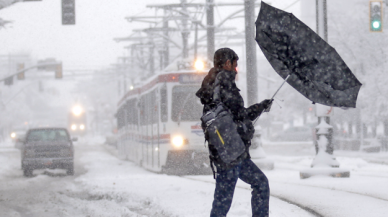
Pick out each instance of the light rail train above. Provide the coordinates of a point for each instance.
(159, 124)
(77, 121)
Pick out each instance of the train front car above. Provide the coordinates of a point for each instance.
(159, 124)
(77, 121)
(186, 154)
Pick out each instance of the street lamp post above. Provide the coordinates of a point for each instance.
(324, 162)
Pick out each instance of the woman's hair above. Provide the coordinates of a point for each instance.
(222, 55)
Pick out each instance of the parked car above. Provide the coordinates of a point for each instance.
(294, 134)
(47, 148)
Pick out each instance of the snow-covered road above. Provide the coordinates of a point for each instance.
(103, 185)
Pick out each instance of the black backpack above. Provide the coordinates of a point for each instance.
(221, 130)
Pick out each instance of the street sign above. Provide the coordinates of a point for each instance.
(68, 12)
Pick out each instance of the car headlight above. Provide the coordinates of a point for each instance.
(73, 127)
(13, 135)
(82, 127)
(177, 141)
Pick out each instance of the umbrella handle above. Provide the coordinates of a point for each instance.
(280, 86)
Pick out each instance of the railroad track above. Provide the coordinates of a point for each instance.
(335, 202)
(310, 210)
(334, 189)
(322, 210)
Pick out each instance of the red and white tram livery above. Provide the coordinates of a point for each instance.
(159, 124)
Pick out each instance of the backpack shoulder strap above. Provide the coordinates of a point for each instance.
(217, 90)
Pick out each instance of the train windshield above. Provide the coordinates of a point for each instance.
(185, 105)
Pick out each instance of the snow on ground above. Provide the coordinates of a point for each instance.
(107, 186)
(182, 197)
(164, 195)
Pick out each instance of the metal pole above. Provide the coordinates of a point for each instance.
(210, 29)
(166, 56)
(321, 10)
(185, 30)
(132, 56)
(251, 67)
(321, 16)
(196, 41)
(152, 60)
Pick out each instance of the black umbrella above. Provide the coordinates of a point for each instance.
(304, 59)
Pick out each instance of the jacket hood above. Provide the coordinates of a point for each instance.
(205, 93)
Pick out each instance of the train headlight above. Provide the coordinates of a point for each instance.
(199, 65)
(177, 141)
(82, 127)
(13, 135)
(73, 127)
(77, 110)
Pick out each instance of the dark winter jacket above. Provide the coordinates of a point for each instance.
(231, 98)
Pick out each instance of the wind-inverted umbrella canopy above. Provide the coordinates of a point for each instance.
(316, 70)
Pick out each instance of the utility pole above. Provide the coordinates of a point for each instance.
(250, 44)
(322, 111)
(185, 31)
(182, 15)
(196, 41)
(321, 13)
(187, 17)
(210, 29)
(324, 158)
(166, 49)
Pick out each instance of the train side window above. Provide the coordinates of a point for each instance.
(126, 113)
(149, 108)
(146, 108)
(163, 104)
(142, 110)
(132, 114)
(154, 107)
(120, 118)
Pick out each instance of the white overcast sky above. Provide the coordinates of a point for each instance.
(37, 29)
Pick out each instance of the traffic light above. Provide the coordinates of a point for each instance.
(8, 81)
(20, 67)
(58, 71)
(376, 16)
(68, 12)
